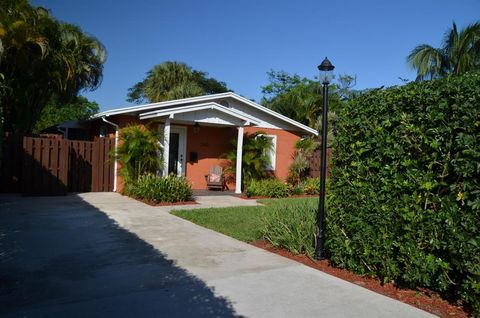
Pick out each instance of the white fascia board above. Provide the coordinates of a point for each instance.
(198, 107)
(275, 114)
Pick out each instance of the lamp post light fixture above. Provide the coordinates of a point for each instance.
(326, 71)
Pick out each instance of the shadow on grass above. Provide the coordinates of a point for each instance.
(61, 257)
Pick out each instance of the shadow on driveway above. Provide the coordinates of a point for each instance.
(61, 257)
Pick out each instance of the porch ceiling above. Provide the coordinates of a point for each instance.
(207, 113)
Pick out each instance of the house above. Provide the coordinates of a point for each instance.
(198, 130)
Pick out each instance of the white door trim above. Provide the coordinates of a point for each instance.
(182, 147)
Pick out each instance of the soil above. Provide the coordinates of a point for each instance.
(421, 298)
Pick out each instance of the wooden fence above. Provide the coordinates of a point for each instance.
(314, 163)
(52, 166)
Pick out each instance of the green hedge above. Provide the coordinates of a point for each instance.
(404, 197)
(156, 189)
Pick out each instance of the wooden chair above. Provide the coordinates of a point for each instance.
(215, 178)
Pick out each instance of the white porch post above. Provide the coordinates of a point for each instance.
(166, 146)
(238, 175)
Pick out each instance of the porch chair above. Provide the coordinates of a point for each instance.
(215, 178)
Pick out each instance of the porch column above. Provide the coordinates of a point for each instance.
(238, 174)
(166, 146)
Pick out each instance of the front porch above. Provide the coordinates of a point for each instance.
(195, 138)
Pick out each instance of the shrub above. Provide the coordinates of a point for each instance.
(255, 157)
(156, 189)
(292, 225)
(271, 188)
(297, 190)
(404, 202)
(138, 152)
(299, 169)
(311, 186)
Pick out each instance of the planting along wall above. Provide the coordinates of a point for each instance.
(211, 142)
(285, 148)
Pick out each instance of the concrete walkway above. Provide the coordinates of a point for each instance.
(104, 255)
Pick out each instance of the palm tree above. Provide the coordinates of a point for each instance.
(173, 80)
(42, 57)
(460, 53)
(138, 152)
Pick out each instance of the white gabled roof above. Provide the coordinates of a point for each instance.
(145, 110)
(198, 107)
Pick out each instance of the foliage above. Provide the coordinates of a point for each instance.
(244, 223)
(173, 80)
(460, 53)
(299, 168)
(404, 201)
(255, 157)
(270, 188)
(310, 186)
(42, 57)
(302, 98)
(155, 189)
(55, 112)
(138, 152)
(292, 225)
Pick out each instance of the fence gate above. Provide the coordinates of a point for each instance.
(50, 166)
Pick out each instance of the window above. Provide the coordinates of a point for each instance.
(103, 131)
(272, 152)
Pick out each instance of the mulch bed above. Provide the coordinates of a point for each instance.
(422, 298)
(243, 196)
(166, 203)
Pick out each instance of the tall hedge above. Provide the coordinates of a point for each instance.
(404, 196)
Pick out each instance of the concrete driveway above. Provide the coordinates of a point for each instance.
(104, 255)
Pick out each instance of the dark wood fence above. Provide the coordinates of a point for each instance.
(52, 166)
(102, 175)
(314, 163)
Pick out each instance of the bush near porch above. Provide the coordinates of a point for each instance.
(404, 197)
(138, 154)
(155, 189)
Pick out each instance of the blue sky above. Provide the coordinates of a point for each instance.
(238, 42)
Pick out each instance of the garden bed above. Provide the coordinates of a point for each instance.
(166, 203)
(422, 298)
(243, 196)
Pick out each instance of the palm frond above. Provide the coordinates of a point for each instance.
(427, 60)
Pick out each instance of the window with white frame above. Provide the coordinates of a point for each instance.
(272, 152)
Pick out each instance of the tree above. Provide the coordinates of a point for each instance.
(55, 112)
(459, 53)
(42, 57)
(173, 80)
(298, 98)
(138, 152)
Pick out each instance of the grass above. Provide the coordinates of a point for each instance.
(243, 223)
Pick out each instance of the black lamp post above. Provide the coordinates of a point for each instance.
(326, 70)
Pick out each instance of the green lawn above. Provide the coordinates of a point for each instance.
(242, 223)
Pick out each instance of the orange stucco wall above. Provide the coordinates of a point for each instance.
(209, 143)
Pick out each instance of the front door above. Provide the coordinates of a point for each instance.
(176, 155)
